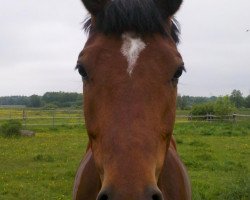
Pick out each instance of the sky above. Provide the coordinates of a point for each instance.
(40, 42)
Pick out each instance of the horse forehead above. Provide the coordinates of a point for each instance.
(132, 46)
(125, 52)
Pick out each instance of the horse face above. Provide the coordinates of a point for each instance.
(129, 103)
(130, 86)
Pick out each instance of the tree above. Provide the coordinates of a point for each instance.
(237, 99)
(181, 102)
(223, 106)
(247, 101)
(62, 99)
(35, 101)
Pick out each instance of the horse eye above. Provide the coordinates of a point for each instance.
(82, 71)
(179, 72)
(177, 75)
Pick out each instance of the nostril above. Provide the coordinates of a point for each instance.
(157, 197)
(153, 193)
(103, 196)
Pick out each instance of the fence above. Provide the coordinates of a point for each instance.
(37, 117)
(211, 118)
(53, 118)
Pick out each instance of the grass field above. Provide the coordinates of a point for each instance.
(217, 157)
(43, 167)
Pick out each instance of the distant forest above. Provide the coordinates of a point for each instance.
(236, 98)
(48, 100)
(75, 100)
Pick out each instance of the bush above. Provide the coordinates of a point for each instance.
(203, 109)
(222, 106)
(11, 128)
(50, 106)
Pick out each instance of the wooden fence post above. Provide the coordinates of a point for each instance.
(209, 117)
(234, 118)
(53, 119)
(24, 118)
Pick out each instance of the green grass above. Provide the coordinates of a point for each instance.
(217, 157)
(213, 128)
(43, 167)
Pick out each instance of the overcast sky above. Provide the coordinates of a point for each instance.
(40, 42)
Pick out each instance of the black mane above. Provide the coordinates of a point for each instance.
(120, 16)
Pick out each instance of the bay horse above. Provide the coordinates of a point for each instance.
(130, 67)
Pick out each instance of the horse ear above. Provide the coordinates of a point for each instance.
(169, 7)
(94, 6)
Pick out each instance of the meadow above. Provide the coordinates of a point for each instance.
(217, 157)
(43, 167)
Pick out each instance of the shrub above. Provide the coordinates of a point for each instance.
(222, 106)
(50, 106)
(203, 109)
(11, 128)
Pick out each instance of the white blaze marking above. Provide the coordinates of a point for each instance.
(131, 49)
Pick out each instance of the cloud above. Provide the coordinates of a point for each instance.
(40, 42)
(215, 47)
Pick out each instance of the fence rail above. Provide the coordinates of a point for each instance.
(54, 118)
(36, 117)
(209, 117)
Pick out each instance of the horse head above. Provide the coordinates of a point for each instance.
(130, 67)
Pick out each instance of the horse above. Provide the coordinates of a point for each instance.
(130, 68)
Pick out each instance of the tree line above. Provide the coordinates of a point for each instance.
(48, 100)
(72, 99)
(236, 98)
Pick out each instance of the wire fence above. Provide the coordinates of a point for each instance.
(38, 117)
(210, 118)
(53, 118)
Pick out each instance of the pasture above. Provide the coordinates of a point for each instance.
(43, 167)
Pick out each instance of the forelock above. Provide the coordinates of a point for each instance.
(139, 16)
